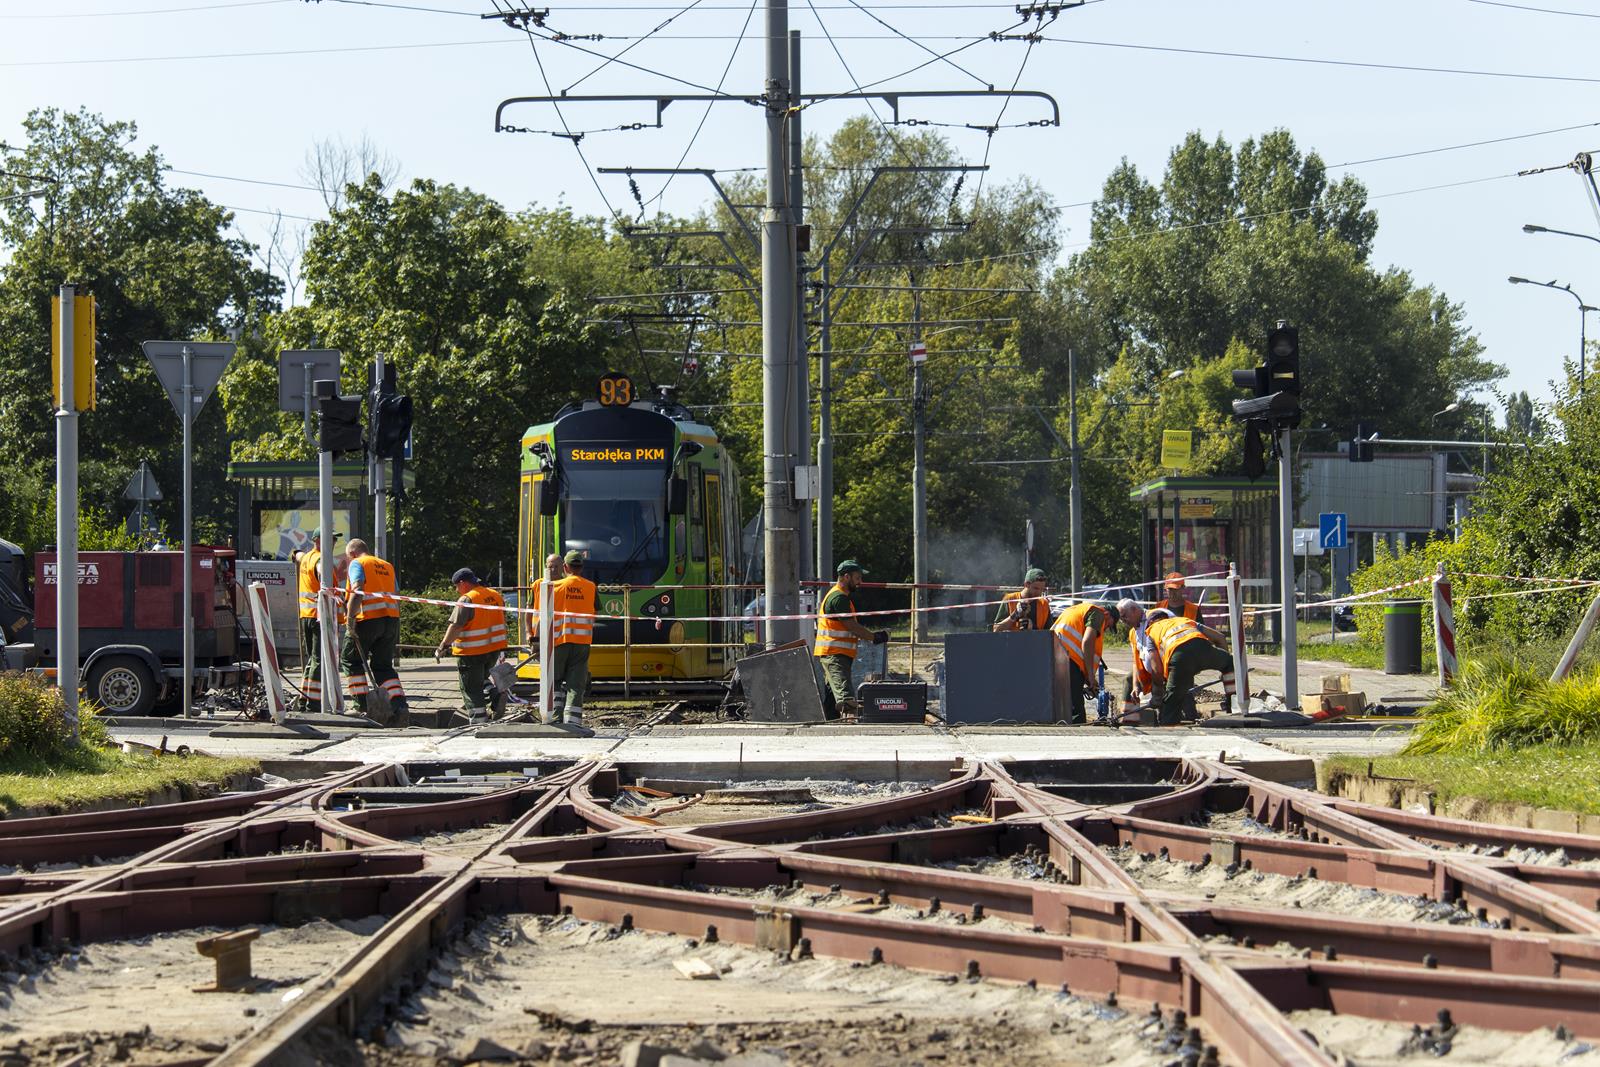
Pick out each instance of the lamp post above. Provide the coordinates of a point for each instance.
(1583, 320)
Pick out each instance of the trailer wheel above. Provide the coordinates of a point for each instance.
(122, 685)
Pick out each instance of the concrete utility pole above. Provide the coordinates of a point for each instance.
(1291, 618)
(1075, 496)
(326, 618)
(778, 312)
(802, 364)
(67, 521)
(919, 473)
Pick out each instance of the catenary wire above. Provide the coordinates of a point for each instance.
(981, 81)
(733, 54)
(146, 11)
(663, 24)
(1536, 10)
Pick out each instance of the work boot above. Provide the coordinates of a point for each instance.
(400, 713)
(849, 710)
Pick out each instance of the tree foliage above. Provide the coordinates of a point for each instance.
(161, 265)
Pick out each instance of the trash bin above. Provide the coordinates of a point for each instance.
(1402, 637)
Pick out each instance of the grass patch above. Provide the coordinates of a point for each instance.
(1507, 701)
(93, 775)
(1566, 777)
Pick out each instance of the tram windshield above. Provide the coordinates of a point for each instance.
(617, 518)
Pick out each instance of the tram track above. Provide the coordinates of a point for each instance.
(872, 882)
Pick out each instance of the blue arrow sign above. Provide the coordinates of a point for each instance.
(1333, 529)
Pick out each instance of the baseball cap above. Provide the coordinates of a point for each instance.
(1174, 580)
(1034, 575)
(316, 535)
(849, 565)
(464, 575)
(573, 558)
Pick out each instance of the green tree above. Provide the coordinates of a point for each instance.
(160, 263)
(451, 289)
(1188, 274)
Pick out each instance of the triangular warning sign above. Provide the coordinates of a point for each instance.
(208, 359)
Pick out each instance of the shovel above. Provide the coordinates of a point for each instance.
(375, 704)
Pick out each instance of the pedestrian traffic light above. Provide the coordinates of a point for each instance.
(1361, 449)
(339, 428)
(391, 425)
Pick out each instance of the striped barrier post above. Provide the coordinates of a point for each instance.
(267, 651)
(1241, 665)
(1444, 628)
(542, 592)
(332, 679)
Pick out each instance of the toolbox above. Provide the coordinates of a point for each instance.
(893, 702)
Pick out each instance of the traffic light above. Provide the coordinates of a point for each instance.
(339, 428)
(391, 425)
(1361, 449)
(1284, 367)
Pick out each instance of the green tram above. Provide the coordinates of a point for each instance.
(650, 496)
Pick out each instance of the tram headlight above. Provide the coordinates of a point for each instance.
(675, 634)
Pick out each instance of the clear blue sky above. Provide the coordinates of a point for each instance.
(243, 88)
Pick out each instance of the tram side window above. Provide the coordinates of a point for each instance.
(697, 519)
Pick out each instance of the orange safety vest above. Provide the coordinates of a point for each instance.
(310, 582)
(1041, 608)
(486, 630)
(833, 638)
(1070, 629)
(310, 571)
(1191, 610)
(376, 599)
(1168, 634)
(573, 601)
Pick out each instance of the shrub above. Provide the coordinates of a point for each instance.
(33, 720)
(1507, 701)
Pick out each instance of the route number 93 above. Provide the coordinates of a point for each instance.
(616, 390)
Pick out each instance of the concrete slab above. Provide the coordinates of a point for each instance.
(290, 730)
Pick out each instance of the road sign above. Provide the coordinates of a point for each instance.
(297, 369)
(1177, 449)
(1334, 530)
(207, 360)
(142, 486)
(189, 370)
(1306, 542)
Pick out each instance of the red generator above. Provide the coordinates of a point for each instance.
(130, 624)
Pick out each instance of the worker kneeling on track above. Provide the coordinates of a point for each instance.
(838, 635)
(1080, 629)
(477, 638)
(1182, 648)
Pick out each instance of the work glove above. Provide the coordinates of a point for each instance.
(880, 637)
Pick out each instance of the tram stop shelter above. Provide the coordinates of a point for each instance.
(278, 506)
(1197, 526)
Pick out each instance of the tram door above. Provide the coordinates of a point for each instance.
(716, 570)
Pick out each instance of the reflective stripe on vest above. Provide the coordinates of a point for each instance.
(833, 638)
(1168, 634)
(486, 630)
(379, 581)
(573, 600)
(1041, 607)
(1070, 629)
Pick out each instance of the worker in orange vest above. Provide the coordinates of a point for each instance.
(838, 635)
(308, 568)
(1080, 629)
(1139, 686)
(1183, 649)
(1027, 608)
(374, 630)
(477, 638)
(573, 600)
(1177, 598)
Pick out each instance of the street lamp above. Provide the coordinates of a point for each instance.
(1531, 228)
(1583, 324)
(1454, 405)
